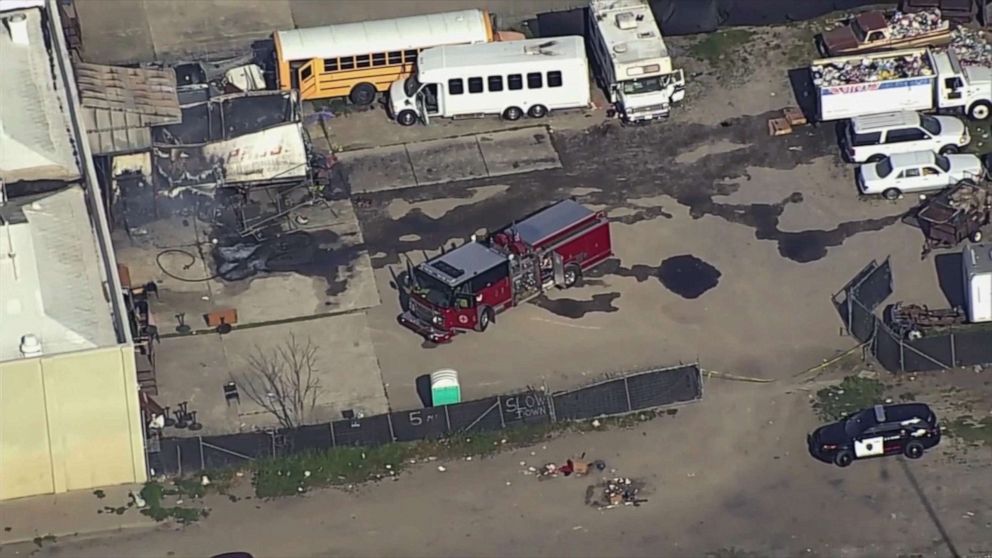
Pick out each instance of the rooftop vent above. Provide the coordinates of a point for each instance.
(17, 26)
(626, 20)
(540, 49)
(30, 345)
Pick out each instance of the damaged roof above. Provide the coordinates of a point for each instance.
(120, 105)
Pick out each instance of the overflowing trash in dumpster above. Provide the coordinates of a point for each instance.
(870, 70)
(972, 47)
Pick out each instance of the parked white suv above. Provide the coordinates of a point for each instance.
(917, 172)
(873, 137)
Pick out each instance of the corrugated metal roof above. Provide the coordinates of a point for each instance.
(121, 104)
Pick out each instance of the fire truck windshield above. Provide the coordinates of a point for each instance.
(436, 292)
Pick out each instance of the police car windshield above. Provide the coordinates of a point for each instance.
(436, 292)
(859, 422)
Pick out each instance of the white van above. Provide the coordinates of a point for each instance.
(872, 138)
(515, 78)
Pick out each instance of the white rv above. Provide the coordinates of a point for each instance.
(633, 65)
(528, 77)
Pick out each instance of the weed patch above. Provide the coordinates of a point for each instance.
(852, 394)
(716, 49)
(971, 430)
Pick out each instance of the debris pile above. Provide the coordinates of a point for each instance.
(972, 47)
(578, 467)
(904, 25)
(871, 70)
(618, 491)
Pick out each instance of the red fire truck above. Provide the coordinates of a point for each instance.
(463, 289)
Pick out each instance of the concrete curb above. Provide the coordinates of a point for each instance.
(82, 533)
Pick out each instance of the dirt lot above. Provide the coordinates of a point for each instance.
(715, 487)
(772, 227)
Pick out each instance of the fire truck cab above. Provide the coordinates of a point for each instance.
(463, 289)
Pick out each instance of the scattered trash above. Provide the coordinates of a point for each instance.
(469, 458)
(508, 483)
(595, 423)
(138, 500)
(441, 468)
(523, 463)
(388, 466)
(204, 480)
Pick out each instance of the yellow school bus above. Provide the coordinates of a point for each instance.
(358, 59)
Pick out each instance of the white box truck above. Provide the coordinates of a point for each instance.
(914, 79)
(632, 62)
(516, 78)
(978, 282)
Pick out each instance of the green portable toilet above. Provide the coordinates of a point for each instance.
(445, 388)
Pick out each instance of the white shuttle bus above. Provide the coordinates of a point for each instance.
(516, 78)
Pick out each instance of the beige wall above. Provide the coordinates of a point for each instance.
(69, 422)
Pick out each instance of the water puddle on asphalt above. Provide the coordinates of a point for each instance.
(688, 276)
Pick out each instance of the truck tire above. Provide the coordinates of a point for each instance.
(843, 458)
(407, 118)
(512, 114)
(980, 110)
(913, 450)
(485, 318)
(362, 94)
(572, 276)
(891, 194)
(949, 150)
(537, 111)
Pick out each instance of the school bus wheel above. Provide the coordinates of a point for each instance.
(362, 94)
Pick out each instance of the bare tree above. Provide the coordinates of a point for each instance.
(283, 381)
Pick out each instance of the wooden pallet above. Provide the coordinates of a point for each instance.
(779, 127)
(794, 116)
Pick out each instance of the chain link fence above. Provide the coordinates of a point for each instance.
(629, 393)
(938, 349)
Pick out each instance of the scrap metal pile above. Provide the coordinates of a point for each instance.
(972, 47)
(911, 320)
(903, 25)
(954, 215)
(870, 70)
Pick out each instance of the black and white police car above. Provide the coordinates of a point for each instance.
(908, 429)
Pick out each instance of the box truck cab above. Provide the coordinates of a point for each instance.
(527, 77)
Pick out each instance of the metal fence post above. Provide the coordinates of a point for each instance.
(389, 421)
(626, 390)
(499, 402)
(447, 421)
(199, 442)
(902, 356)
(954, 356)
(330, 426)
(179, 459)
